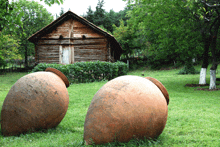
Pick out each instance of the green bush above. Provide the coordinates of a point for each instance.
(188, 70)
(156, 63)
(2, 62)
(83, 72)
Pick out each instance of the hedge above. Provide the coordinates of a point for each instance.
(82, 72)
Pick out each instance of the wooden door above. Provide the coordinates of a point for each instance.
(65, 55)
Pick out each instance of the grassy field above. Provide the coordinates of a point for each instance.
(193, 115)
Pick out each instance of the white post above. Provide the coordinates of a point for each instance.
(212, 79)
(202, 79)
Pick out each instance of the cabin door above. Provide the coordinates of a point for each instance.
(66, 55)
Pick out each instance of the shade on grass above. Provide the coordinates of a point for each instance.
(193, 115)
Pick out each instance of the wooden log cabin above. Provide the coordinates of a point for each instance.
(72, 38)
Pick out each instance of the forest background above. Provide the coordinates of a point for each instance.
(157, 33)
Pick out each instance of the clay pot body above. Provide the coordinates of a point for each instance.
(36, 101)
(124, 108)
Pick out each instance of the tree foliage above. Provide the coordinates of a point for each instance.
(11, 15)
(98, 17)
(34, 17)
(9, 48)
(62, 11)
(99, 14)
(6, 9)
(125, 35)
(51, 2)
(178, 30)
(167, 29)
(105, 19)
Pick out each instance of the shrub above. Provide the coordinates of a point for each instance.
(158, 62)
(81, 72)
(2, 62)
(188, 70)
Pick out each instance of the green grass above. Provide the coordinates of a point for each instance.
(193, 115)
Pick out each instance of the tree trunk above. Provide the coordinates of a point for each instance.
(205, 62)
(26, 57)
(214, 58)
(212, 79)
(126, 56)
(202, 79)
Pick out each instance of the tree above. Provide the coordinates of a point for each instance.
(8, 49)
(62, 11)
(206, 17)
(207, 41)
(168, 26)
(209, 31)
(7, 20)
(98, 17)
(186, 28)
(124, 35)
(214, 8)
(89, 15)
(105, 19)
(35, 17)
(6, 8)
(115, 18)
(99, 13)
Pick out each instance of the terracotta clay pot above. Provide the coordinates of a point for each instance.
(161, 87)
(36, 101)
(124, 108)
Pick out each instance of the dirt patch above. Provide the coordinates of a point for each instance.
(202, 85)
(207, 89)
(196, 85)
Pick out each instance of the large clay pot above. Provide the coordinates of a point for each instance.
(36, 101)
(124, 108)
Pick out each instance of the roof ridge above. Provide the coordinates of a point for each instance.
(62, 17)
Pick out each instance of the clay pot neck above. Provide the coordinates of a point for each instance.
(60, 74)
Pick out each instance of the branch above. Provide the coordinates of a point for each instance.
(206, 19)
(216, 19)
(211, 6)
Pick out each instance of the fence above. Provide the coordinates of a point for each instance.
(17, 65)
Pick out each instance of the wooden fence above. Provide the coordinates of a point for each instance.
(18, 65)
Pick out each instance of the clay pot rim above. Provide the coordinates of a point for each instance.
(163, 90)
(60, 74)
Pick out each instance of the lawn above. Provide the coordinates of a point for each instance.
(193, 115)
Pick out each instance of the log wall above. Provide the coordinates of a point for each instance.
(87, 44)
